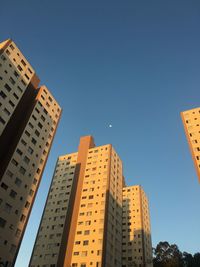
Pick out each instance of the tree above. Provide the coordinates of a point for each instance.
(196, 260)
(187, 259)
(166, 255)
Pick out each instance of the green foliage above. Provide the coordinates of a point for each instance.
(196, 260)
(166, 255)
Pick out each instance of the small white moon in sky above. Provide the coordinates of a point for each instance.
(110, 125)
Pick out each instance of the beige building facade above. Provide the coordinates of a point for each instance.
(136, 230)
(86, 196)
(191, 123)
(82, 222)
(29, 117)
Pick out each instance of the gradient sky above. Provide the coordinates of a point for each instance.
(132, 64)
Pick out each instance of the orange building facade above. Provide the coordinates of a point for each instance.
(191, 123)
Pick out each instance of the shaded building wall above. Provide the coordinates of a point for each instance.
(25, 141)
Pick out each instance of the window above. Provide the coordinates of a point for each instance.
(86, 232)
(33, 141)
(12, 47)
(30, 70)
(26, 159)
(19, 68)
(14, 162)
(2, 222)
(27, 76)
(4, 186)
(23, 217)
(99, 252)
(7, 208)
(85, 242)
(12, 80)
(23, 142)
(40, 125)
(27, 205)
(27, 133)
(2, 120)
(16, 96)
(84, 254)
(16, 74)
(11, 103)
(23, 82)
(31, 125)
(22, 170)
(18, 233)
(18, 182)
(34, 117)
(31, 192)
(13, 194)
(23, 62)
(3, 57)
(8, 88)
(79, 232)
(37, 132)
(42, 117)
(3, 95)
(30, 150)
(19, 151)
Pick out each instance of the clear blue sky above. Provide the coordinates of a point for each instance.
(136, 65)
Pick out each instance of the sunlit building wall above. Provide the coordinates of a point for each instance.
(83, 224)
(136, 230)
(29, 116)
(191, 123)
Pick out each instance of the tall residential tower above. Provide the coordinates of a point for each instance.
(81, 224)
(136, 230)
(82, 221)
(29, 116)
(191, 123)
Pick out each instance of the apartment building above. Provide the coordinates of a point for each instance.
(83, 224)
(82, 221)
(191, 123)
(136, 231)
(29, 116)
